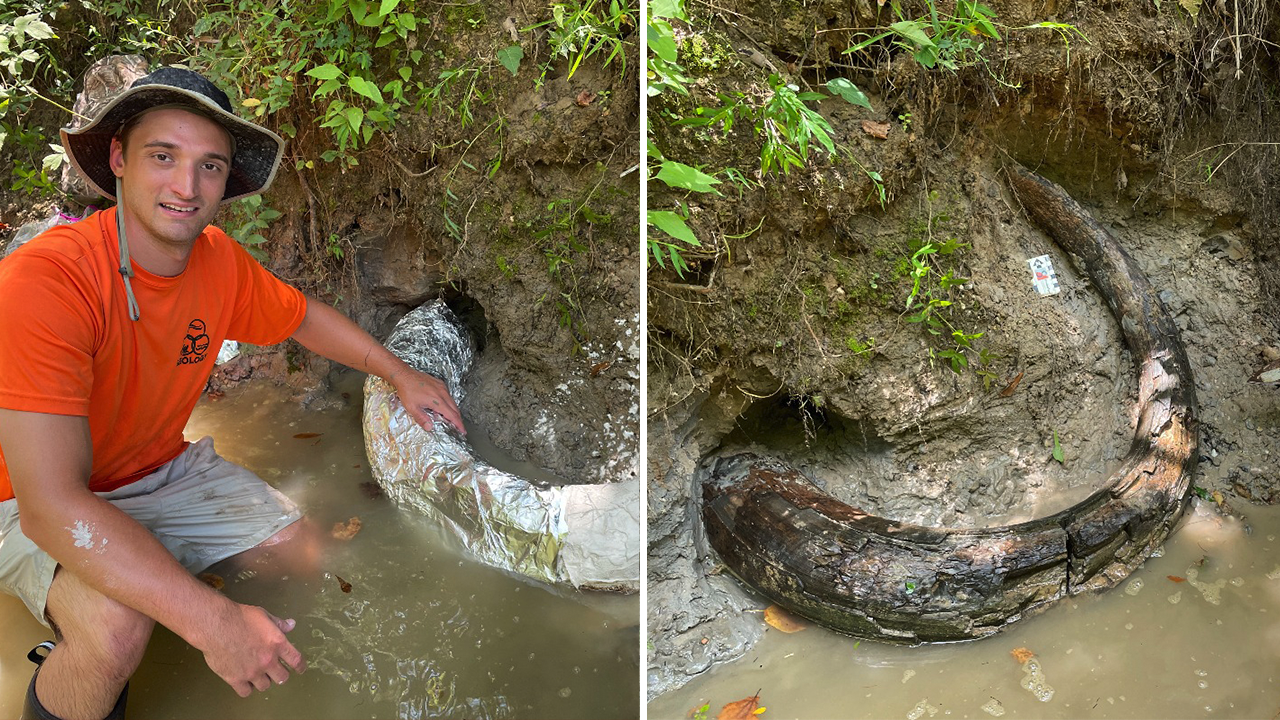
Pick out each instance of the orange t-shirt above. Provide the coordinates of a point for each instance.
(68, 346)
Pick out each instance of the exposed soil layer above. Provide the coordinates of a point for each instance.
(793, 342)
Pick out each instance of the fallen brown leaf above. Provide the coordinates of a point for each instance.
(876, 129)
(1175, 578)
(307, 436)
(783, 620)
(214, 581)
(1022, 655)
(599, 368)
(343, 585)
(741, 710)
(1012, 386)
(346, 530)
(584, 98)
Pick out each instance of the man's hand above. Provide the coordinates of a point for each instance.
(425, 396)
(247, 648)
(331, 334)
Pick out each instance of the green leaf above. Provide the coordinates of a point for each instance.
(1057, 448)
(913, 30)
(355, 116)
(327, 87)
(679, 175)
(365, 88)
(387, 6)
(666, 8)
(510, 58)
(328, 71)
(849, 92)
(662, 42)
(387, 37)
(34, 28)
(674, 225)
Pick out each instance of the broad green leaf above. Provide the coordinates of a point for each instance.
(387, 37)
(328, 71)
(355, 116)
(913, 30)
(674, 225)
(849, 92)
(365, 88)
(35, 28)
(387, 6)
(1057, 448)
(667, 8)
(327, 87)
(662, 42)
(679, 175)
(510, 58)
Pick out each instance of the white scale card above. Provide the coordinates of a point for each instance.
(1043, 278)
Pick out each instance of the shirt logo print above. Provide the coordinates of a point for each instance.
(195, 345)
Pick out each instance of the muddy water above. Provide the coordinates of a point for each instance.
(1151, 648)
(423, 632)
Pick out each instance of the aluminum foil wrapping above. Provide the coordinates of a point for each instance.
(568, 535)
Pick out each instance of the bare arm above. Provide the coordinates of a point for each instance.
(330, 333)
(49, 459)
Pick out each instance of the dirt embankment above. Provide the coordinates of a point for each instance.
(509, 197)
(793, 339)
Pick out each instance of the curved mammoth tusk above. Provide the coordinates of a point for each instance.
(875, 578)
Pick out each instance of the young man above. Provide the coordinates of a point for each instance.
(107, 328)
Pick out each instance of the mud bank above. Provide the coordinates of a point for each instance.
(797, 344)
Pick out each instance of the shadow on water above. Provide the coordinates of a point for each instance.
(423, 632)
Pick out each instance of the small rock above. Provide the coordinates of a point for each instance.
(1249, 424)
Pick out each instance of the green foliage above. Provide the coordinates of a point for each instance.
(246, 220)
(510, 58)
(859, 347)
(948, 41)
(1057, 449)
(929, 302)
(350, 59)
(581, 30)
(954, 41)
(790, 131)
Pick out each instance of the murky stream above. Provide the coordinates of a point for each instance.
(423, 632)
(1202, 644)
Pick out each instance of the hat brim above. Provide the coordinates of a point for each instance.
(253, 168)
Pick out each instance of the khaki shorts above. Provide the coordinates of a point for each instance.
(202, 508)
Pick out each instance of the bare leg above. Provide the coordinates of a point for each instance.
(101, 644)
(295, 551)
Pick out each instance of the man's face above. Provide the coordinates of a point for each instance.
(173, 175)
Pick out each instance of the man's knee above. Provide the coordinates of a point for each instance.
(93, 625)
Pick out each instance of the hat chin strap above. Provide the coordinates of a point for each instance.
(126, 268)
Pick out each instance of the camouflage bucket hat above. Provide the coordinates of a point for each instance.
(257, 150)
